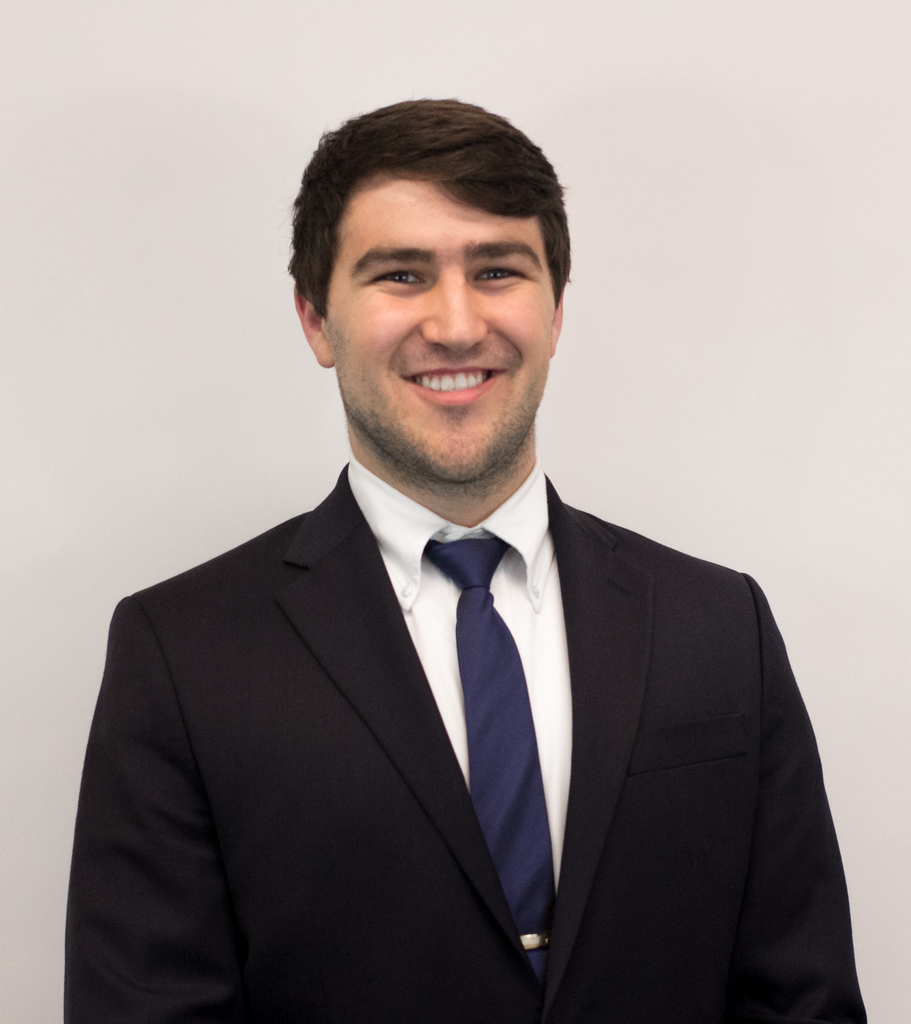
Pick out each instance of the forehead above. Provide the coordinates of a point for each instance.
(403, 213)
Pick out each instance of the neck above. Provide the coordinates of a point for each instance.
(462, 502)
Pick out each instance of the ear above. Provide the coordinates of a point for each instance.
(314, 329)
(556, 326)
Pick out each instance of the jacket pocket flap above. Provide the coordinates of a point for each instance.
(690, 743)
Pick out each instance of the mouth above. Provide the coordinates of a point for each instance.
(461, 381)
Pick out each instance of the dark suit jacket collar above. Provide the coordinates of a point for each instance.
(327, 525)
(345, 610)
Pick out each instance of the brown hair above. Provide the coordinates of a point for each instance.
(475, 157)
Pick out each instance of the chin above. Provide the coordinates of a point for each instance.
(479, 463)
(476, 470)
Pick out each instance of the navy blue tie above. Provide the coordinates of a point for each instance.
(504, 770)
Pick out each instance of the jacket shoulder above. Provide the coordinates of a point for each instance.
(256, 566)
(657, 559)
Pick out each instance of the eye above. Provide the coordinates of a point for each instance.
(496, 274)
(400, 277)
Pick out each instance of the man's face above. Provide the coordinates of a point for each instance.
(441, 323)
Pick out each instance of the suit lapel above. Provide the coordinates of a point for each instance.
(344, 608)
(607, 609)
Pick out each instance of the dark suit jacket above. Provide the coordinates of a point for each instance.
(273, 826)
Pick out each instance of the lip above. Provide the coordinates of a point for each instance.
(464, 397)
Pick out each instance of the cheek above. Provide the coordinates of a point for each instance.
(537, 341)
(380, 329)
(529, 324)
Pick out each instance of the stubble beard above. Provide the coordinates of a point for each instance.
(467, 467)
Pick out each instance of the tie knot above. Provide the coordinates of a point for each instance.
(470, 562)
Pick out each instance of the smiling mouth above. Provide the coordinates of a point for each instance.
(452, 381)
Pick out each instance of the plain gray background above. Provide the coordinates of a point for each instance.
(733, 377)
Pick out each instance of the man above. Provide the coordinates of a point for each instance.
(370, 768)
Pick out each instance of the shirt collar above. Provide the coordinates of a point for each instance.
(402, 528)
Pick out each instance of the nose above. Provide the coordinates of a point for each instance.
(453, 315)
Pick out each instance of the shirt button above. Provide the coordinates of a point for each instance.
(407, 590)
(535, 592)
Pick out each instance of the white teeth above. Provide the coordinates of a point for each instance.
(447, 382)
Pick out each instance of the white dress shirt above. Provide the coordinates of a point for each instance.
(526, 593)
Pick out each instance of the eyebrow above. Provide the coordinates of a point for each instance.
(497, 250)
(482, 251)
(377, 257)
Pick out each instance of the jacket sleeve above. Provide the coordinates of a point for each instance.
(793, 958)
(150, 935)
